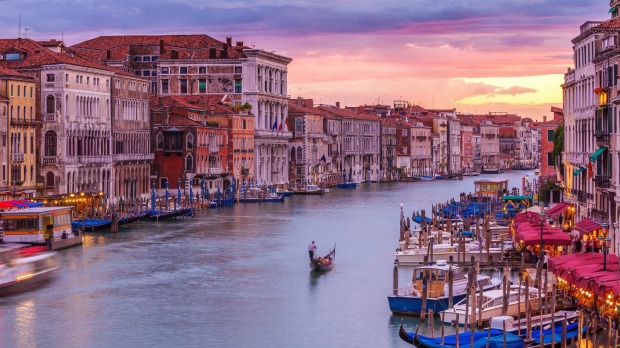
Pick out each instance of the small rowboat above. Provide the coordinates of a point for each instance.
(324, 263)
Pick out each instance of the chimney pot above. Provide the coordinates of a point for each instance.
(338, 105)
(229, 41)
(224, 51)
(108, 54)
(240, 43)
(544, 118)
(161, 46)
(212, 53)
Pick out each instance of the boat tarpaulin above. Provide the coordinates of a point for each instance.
(560, 208)
(586, 226)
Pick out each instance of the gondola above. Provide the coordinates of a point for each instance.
(324, 263)
(91, 224)
(492, 338)
(134, 217)
(163, 215)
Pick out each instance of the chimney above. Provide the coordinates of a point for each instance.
(229, 41)
(108, 54)
(161, 46)
(224, 51)
(212, 53)
(338, 105)
(239, 43)
(544, 118)
(174, 54)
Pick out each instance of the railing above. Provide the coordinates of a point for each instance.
(17, 157)
(49, 159)
(133, 157)
(214, 149)
(602, 181)
(95, 159)
(602, 137)
(49, 118)
(600, 214)
(215, 171)
(581, 196)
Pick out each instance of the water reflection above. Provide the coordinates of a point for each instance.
(315, 277)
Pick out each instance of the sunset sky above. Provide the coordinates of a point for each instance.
(475, 55)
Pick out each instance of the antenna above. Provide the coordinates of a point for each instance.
(20, 26)
(26, 31)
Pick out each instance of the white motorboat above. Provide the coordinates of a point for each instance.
(415, 256)
(24, 268)
(519, 327)
(492, 304)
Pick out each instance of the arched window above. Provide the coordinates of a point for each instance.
(49, 179)
(160, 141)
(299, 154)
(190, 142)
(293, 154)
(50, 143)
(299, 128)
(31, 115)
(50, 104)
(189, 163)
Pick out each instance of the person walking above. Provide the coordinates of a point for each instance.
(311, 250)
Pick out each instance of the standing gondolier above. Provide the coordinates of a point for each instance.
(311, 250)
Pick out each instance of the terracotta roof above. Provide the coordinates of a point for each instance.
(467, 121)
(51, 42)
(193, 46)
(13, 73)
(209, 103)
(292, 108)
(334, 112)
(498, 119)
(179, 120)
(35, 55)
(613, 23)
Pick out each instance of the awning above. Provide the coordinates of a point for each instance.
(578, 171)
(597, 153)
(586, 226)
(560, 208)
(612, 9)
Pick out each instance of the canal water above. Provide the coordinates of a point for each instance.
(234, 276)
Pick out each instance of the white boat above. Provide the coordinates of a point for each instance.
(310, 190)
(519, 327)
(24, 268)
(415, 256)
(492, 304)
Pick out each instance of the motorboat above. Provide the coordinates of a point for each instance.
(492, 305)
(415, 256)
(284, 192)
(310, 189)
(24, 268)
(519, 327)
(408, 301)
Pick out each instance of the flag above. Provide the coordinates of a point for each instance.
(280, 127)
(323, 159)
(275, 125)
(285, 125)
(590, 170)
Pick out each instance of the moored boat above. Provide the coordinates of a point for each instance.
(415, 256)
(284, 192)
(491, 338)
(519, 327)
(255, 195)
(310, 190)
(409, 300)
(23, 269)
(492, 305)
(91, 224)
(347, 185)
(324, 263)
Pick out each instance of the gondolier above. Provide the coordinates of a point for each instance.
(311, 250)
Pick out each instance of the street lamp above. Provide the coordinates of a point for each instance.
(605, 244)
(541, 216)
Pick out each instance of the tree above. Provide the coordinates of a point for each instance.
(558, 143)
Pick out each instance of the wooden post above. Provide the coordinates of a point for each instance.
(450, 287)
(468, 300)
(457, 332)
(474, 303)
(424, 294)
(616, 336)
(519, 308)
(506, 283)
(432, 242)
(395, 280)
(114, 226)
(504, 333)
(431, 321)
(488, 337)
(442, 325)
(552, 313)
(480, 290)
(594, 321)
(528, 309)
(579, 327)
(608, 332)
(564, 332)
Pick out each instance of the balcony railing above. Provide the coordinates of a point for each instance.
(49, 118)
(581, 196)
(17, 157)
(600, 214)
(95, 159)
(602, 181)
(214, 149)
(215, 171)
(602, 138)
(49, 159)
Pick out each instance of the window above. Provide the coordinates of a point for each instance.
(31, 92)
(189, 163)
(405, 133)
(160, 141)
(50, 104)
(183, 83)
(238, 86)
(164, 86)
(138, 73)
(299, 154)
(299, 127)
(12, 56)
(550, 135)
(190, 142)
(202, 70)
(202, 86)
(550, 159)
(18, 91)
(238, 70)
(183, 70)
(146, 58)
(50, 143)
(154, 58)
(11, 90)
(137, 58)
(146, 73)
(165, 70)
(49, 78)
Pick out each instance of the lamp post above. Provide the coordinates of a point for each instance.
(605, 244)
(541, 216)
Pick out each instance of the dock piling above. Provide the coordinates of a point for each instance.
(395, 280)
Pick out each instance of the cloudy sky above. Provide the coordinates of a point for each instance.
(475, 55)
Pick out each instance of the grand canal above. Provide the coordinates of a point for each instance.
(236, 276)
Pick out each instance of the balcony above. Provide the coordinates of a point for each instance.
(214, 149)
(17, 157)
(600, 215)
(133, 157)
(602, 138)
(602, 181)
(214, 171)
(581, 197)
(95, 159)
(49, 159)
(49, 117)
(420, 138)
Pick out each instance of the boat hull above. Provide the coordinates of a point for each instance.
(410, 258)
(19, 287)
(347, 185)
(407, 305)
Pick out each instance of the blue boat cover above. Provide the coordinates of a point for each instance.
(418, 219)
(480, 340)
